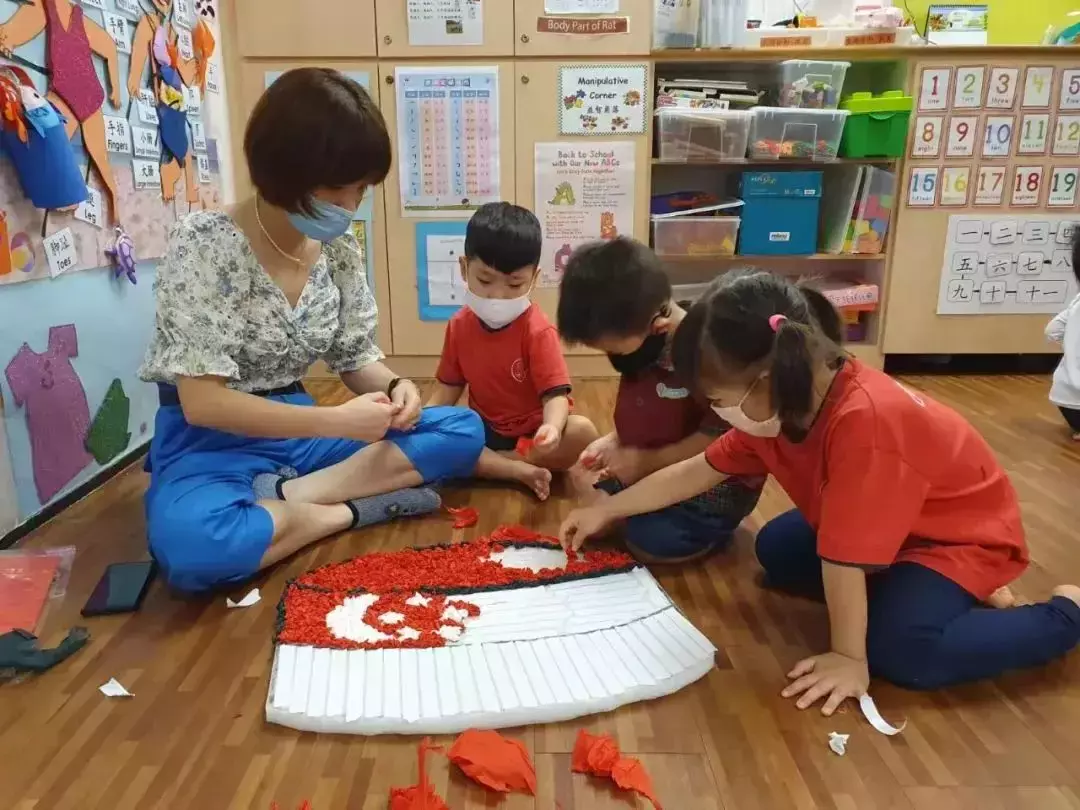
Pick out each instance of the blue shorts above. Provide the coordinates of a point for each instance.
(203, 523)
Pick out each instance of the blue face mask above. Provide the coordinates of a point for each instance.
(327, 223)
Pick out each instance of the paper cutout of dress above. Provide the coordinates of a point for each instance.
(57, 415)
(9, 501)
(502, 631)
(74, 87)
(109, 435)
(39, 149)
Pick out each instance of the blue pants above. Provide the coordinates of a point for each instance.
(203, 523)
(676, 532)
(924, 630)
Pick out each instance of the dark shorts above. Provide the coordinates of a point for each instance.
(496, 441)
(1072, 417)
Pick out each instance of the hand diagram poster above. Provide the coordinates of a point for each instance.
(1007, 265)
(448, 139)
(584, 192)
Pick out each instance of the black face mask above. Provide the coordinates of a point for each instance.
(639, 360)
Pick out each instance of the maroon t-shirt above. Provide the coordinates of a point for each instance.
(654, 408)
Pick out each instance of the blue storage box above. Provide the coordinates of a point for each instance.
(780, 213)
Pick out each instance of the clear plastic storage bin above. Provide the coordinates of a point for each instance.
(702, 134)
(791, 132)
(695, 236)
(812, 85)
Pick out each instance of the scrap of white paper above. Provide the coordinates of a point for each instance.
(581, 6)
(60, 251)
(838, 742)
(874, 718)
(253, 597)
(447, 22)
(112, 688)
(89, 211)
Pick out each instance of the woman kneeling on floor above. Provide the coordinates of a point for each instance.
(244, 469)
(906, 524)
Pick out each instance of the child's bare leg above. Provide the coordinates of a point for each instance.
(578, 434)
(509, 466)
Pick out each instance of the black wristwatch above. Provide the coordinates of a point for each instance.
(394, 384)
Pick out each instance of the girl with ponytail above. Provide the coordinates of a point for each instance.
(905, 523)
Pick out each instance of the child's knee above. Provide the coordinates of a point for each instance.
(909, 664)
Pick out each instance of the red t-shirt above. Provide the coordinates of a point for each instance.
(888, 475)
(508, 370)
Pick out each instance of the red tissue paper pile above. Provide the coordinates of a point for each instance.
(501, 764)
(464, 516)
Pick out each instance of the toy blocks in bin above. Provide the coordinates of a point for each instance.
(877, 125)
(780, 213)
(854, 302)
(871, 213)
(704, 134)
(695, 236)
(791, 132)
(810, 84)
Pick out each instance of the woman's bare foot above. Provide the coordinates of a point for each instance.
(1068, 591)
(535, 478)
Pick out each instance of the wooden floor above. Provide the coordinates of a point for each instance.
(193, 735)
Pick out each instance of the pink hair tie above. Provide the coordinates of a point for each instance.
(776, 320)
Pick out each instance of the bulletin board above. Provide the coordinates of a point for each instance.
(126, 166)
(993, 151)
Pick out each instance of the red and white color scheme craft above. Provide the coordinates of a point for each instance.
(502, 631)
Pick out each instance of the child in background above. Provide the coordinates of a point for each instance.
(1064, 328)
(616, 297)
(506, 351)
(905, 522)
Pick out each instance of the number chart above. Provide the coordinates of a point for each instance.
(1007, 265)
(448, 139)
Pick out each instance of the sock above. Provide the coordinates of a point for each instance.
(389, 505)
(267, 486)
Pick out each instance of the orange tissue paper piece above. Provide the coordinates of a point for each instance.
(524, 446)
(599, 755)
(421, 796)
(464, 516)
(495, 761)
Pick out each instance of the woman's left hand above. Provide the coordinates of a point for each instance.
(832, 676)
(407, 397)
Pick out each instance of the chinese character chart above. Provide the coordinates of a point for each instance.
(448, 139)
(1007, 265)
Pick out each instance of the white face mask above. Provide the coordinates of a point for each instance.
(497, 312)
(735, 416)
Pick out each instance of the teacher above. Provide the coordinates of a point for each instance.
(245, 470)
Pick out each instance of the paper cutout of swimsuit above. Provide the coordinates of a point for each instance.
(57, 415)
(109, 436)
(71, 40)
(155, 42)
(34, 138)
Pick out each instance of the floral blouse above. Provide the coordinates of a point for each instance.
(220, 314)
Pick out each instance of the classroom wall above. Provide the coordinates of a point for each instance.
(112, 318)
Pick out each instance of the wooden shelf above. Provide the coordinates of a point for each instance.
(814, 257)
(884, 53)
(780, 163)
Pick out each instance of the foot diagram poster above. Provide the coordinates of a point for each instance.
(584, 192)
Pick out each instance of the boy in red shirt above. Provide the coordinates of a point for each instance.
(905, 521)
(616, 297)
(506, 351)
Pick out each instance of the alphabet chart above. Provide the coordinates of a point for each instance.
(1007, 265)
(448, 139)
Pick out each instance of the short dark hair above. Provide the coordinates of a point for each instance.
(1076, 254)
(314, 128)
(610, 289)
(727, 331)
(504, 236)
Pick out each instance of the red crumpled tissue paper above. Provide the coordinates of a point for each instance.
(464, 516)
(304, 805)
(597, 754)
(421, 796)
(495, 761)
(524, 445)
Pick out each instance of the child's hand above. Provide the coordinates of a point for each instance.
(595, 455)
(580, 525)
(627, 464)
(546, 439)
(832, 676)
